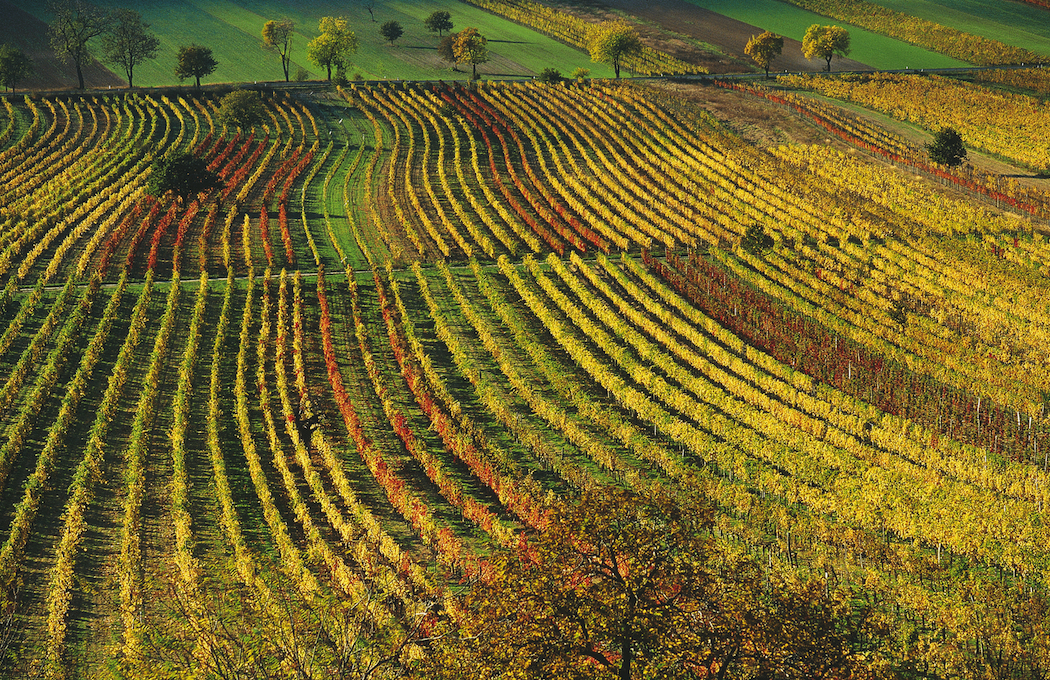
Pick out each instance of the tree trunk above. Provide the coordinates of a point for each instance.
(616, 67)
(198, 82)
(625, 660)
(80, 74)
(329, 72)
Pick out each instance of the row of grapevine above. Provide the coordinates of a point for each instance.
(130, 562)
(576, 31)
(1001, 190)
(1002, 123)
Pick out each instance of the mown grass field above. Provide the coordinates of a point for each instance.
(233, 31)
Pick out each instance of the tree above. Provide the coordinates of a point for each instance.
(15, 66)
(470, 47)
(277, 36)
(241, 108)
(825, 42)
(612, 42)
(128, 43)
(625, 585)
(370, 5)
(182, 174)
(756, 241)
(195, 61)
(391, 30)
(75, 24)
(551, 75)
(947, 147)
(764, 49)
(447, 50)
(438, 21)
(334, 46)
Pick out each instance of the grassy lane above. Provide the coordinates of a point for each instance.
(342, 192)
(232, 30)
(203, 505)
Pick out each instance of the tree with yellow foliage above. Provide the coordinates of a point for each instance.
(764, 48)
(334, 46)
(470, 47)
(612, 42)
(825, 42)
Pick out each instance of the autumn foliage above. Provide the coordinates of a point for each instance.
(627, 584)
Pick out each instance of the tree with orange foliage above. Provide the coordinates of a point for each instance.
(624, 585)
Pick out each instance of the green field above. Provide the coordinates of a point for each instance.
(233, 31)
(1014, 23)
(878, 51)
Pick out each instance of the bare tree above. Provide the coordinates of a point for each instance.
(129, 43)
(75, 24)
(277, 36)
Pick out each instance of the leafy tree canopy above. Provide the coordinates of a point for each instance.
(15, 66)
(551, 75)
(334, 46)
(625, 585)
(447, 50)
(277, 36)
(391, 30)
(756, 241)
(612, 42)
(241, 108)
(764, 49)
(825, 42)
(438, 22)
(470, 47)
(196, 62)
(947, 147)
(129, 42)
(182, 174)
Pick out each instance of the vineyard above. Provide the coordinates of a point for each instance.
(414, 314)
